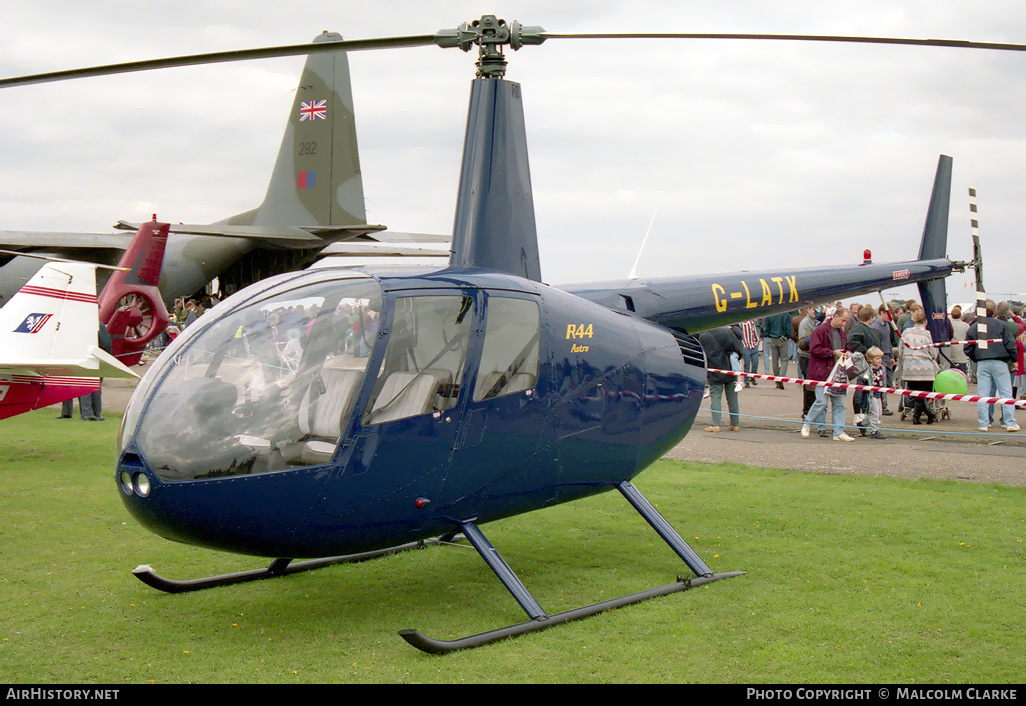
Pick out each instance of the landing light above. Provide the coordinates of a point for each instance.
(138, 484)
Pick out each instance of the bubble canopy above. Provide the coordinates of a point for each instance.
(239, 394)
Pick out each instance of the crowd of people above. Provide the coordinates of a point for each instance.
(889, 345)
(186, 311)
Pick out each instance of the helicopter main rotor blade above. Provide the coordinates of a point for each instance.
(956, 43)
(221, 57)
(515, 34)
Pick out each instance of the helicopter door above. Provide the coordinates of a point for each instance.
(505, 444)
(404, 436)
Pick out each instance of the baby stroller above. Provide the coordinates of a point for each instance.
(936, 407)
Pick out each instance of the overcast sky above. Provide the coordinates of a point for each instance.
(748, 155)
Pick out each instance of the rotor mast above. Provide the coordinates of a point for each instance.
(494, 226)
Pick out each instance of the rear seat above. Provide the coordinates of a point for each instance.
(407, 394)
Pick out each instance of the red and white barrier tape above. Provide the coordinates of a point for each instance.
(888, 390)
(951, 343)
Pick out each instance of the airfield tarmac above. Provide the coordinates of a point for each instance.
(951, 449)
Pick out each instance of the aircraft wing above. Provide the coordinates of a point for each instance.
(299, 236)
(50, 240)
(282, 236)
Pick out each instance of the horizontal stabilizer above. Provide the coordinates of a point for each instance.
(400, 237)
(109, 366)
(98, 363)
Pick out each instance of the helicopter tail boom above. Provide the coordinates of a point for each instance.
(696, 303)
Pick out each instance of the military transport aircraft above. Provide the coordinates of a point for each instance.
(415, 407)
(313, 208)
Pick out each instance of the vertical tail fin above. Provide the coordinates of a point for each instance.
(50, 326)
(316, 178)
(495, 225)
(130, 305)
(934, 245)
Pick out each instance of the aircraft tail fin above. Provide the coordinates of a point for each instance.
(50, 327)
(934, 245)
(130, 305)
(316, 178)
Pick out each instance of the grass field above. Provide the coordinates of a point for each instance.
(851, 580)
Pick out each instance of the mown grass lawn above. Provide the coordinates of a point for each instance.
(851, 580)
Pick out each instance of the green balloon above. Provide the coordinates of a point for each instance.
(951, 382)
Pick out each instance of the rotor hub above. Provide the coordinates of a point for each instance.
(490, 34)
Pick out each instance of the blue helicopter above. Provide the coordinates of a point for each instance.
(335, 414)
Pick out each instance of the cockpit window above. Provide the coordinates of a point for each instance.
(266, 387)
(509, 360)
(423, 366)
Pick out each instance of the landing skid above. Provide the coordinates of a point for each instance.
(538, 619)
(433, 646)
(278, 567)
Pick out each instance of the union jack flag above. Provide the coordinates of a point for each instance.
(313, 110)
